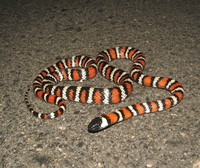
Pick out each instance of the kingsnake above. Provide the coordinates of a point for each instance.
(79, 68)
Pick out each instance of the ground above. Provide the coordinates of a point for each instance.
(35, 34)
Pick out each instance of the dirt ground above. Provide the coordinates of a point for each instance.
(36, 34)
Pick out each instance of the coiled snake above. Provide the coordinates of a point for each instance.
(79, 68)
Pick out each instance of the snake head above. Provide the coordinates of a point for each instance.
(95, 125)
(98, 124)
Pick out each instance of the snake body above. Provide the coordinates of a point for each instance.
(79, 68)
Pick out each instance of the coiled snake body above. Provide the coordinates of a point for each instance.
(80, 68)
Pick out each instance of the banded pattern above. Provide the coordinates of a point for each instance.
(45, 87)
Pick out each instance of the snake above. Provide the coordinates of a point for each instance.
(81, 67)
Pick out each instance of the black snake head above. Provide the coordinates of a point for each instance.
(95, 125)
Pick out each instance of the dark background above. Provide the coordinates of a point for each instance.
(36, 34)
